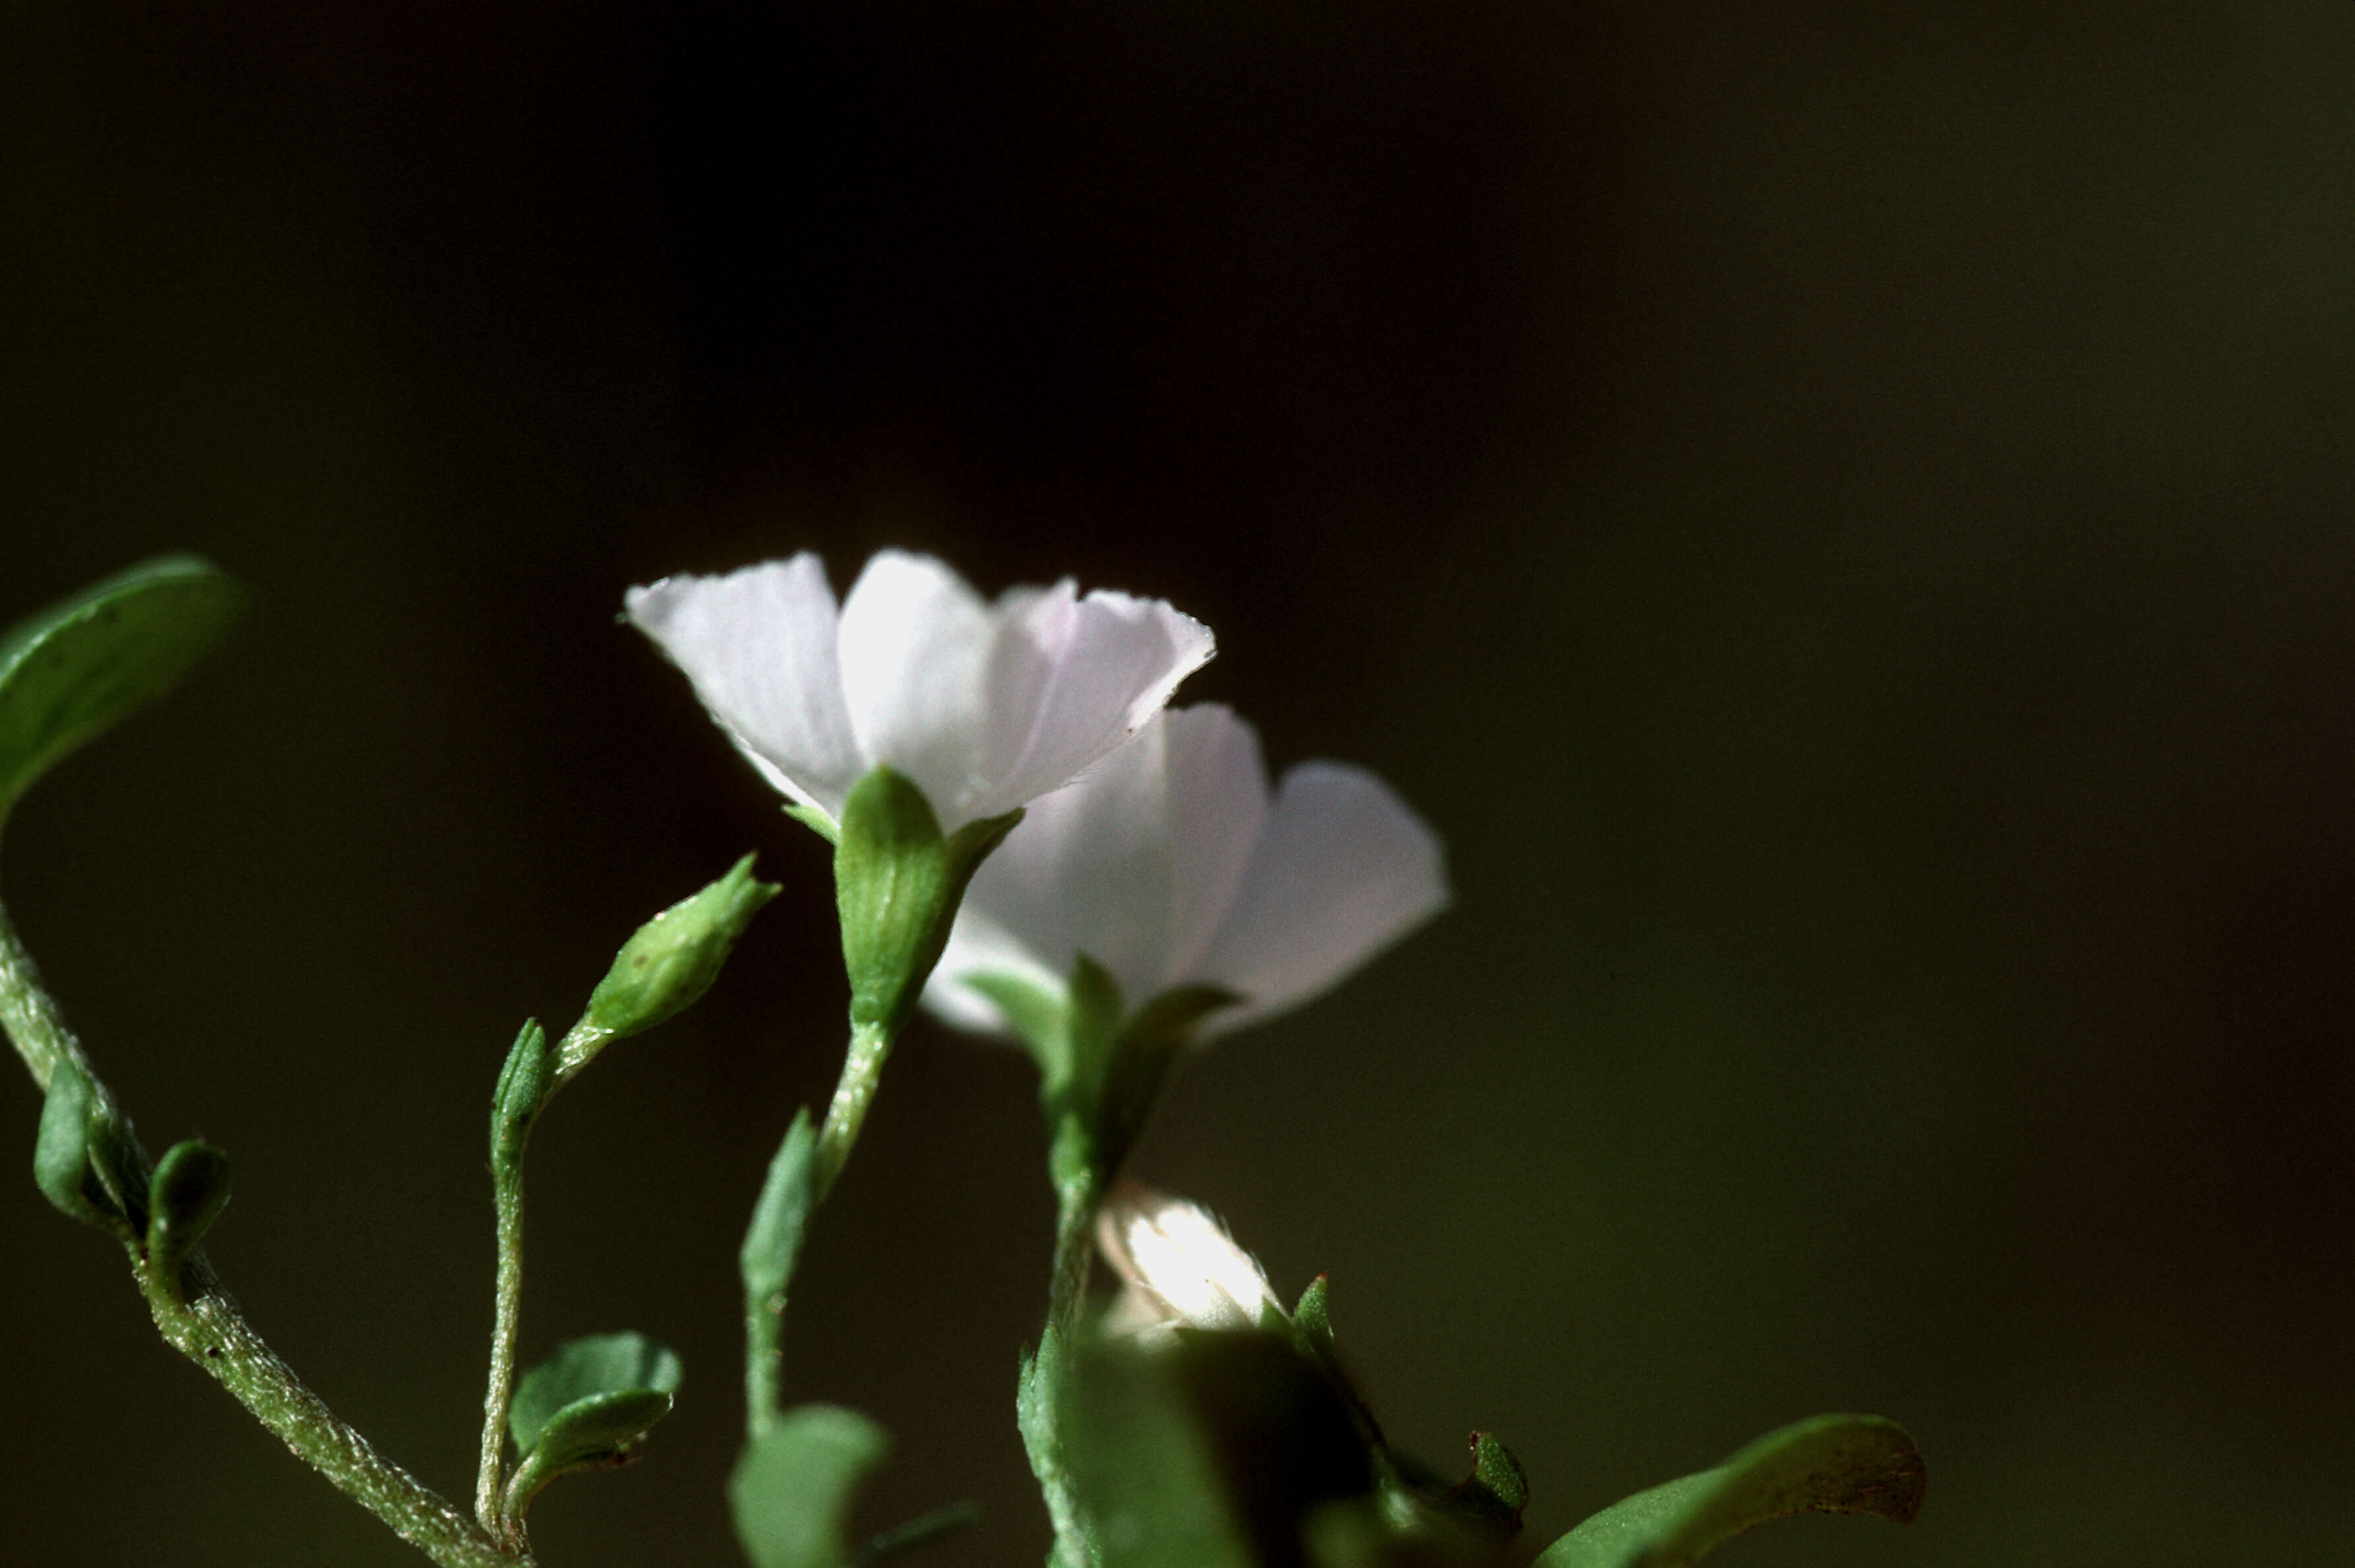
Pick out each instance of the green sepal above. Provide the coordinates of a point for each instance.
(673, 958)
(897, 882)
(1312, 1321)
(816, 821)
(1829, 1464)
(1497, 1489)
(793, 1487)
(71, 671)
(772, 1242)
(582, 1371)
(188, 1193)
(522, 1091)
(1102, 1067)
(85, 1159)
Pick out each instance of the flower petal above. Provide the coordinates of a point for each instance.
(1218, 807)
(1069, 679)
(1088, 870)
(1177, 1254)
(1342, 869)
(915, 646)
(759, 646)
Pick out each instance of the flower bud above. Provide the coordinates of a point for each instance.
(675, 956)
(1179, 1267)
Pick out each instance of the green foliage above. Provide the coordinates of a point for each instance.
(586, 1369)
(75, 669)
(1215, 1450)
(1829, 1464)
(792, 1487)
(772, 1242)
(897, 882)
(85, 1161)
(189, 1190)
(522, 1089)
(674, 957)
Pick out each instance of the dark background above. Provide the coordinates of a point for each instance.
(1840, 514)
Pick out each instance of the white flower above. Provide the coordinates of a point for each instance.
(1168, 865)
(1179, 1267)
(983, 706)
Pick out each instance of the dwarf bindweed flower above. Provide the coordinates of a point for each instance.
(1178, 1266)
(984, 706)
(1170, 865)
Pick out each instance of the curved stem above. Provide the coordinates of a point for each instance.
(862, 1071)
(199, 1319)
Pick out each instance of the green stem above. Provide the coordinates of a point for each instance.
(198, 1319)
(764, 1303)
(1078, 1197)
(33, 1023)
(507, 1183)
(862, 1071)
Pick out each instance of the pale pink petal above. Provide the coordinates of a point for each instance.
(759, 646)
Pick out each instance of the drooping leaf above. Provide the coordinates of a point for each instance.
(70, 672)
(1829, 1464)
(591, 1369)
(792, 1487)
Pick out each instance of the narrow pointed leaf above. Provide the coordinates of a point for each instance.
(772, 1243)
(793, 1488)
(1829, 1464)
(71, 671)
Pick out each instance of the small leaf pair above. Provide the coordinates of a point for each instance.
(586, 1407)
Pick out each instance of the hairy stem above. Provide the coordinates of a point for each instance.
(200, 1320)
(862, 1071)
(489, 1479)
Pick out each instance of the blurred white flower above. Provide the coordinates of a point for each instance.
(1179, 1267)
(984, 706)
(1169, 865)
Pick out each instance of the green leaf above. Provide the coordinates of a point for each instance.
(586, 1369)
(598, 1429)
(74, 669)
(61, 1163)
(898, 882)
(674, 957)
(85, 1159)
(791, 1490)
(1213, 1451)
(1496, 1493)
(1829, 1464)
(772, 1242)
(522, 1090)
(188, 1192)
